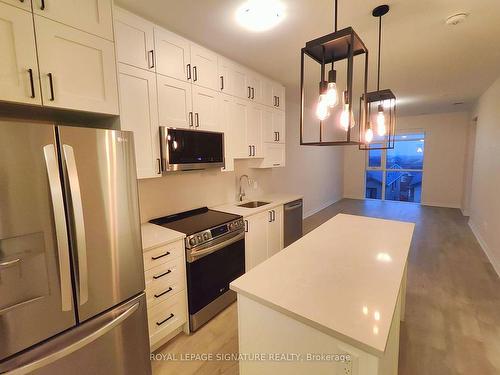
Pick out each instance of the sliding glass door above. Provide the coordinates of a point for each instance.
(396, 174)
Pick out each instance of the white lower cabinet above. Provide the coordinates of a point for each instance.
(77, 70)
(139, 113)
(166, 292)
(264, 236)
(18, 64)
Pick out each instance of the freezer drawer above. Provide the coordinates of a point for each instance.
(115, 343)
(292, 222)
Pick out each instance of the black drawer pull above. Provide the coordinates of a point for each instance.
(163, 293)
(161, 275)
(166, 320)
(32, 84)
(51, 86)
(161, 256)
(42, 5)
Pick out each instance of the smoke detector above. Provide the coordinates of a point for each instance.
(455, 19)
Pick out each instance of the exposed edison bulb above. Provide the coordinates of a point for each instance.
(332, 96)
(322, 109)
(369, 135)
(344, 117)
(381, 128)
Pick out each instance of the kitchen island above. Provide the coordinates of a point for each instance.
(330, 303)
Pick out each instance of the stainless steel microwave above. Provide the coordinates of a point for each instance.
(186, 149)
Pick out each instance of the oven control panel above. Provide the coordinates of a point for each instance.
(208, 235)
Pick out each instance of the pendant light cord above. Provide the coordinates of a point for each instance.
(335, 15)
(379, 43)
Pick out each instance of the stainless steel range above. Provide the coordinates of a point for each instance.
(215, 256)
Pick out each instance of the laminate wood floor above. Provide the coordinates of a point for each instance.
(452, 307)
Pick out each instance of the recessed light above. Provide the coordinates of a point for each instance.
(455, 19)
(260, 15)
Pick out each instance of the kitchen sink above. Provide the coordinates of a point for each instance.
(253, 204)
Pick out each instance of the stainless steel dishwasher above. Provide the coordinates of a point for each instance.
(292, 222)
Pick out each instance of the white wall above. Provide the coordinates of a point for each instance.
(485, 201)
(315, 172)
(444, 159)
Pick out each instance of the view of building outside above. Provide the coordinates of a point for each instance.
(396, 174)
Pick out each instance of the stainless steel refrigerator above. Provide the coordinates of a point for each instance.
(71, 269)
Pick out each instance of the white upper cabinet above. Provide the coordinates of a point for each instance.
(92, 16)
(19, 80)
(175, 103)
(77, 70)
(225, 110)
(279, 126)
(134, 40)
(172, 55)
(204, 67)
(254, 130)
(205, 108)
(254, 87)
(239, 128)
(233, 78)
(23, 4)
(139, 113)
(278, 96)
(273, 125)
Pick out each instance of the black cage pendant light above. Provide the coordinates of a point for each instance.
(327, 51)
(380, 125)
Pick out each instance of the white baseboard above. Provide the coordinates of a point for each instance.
(484, 246)
(322, 207)
(353, 197)
(441, 204)
(465, 212)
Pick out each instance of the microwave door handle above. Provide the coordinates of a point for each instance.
(56, 194)
(76, 201)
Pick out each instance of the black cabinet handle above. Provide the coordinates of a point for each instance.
(165, 320)
(197, 122)
(253, 93)
(163, 293)
(278, 99)
(191, 119)
(278, 136)
(249, 150)
(32, 83)
(51, 85)
(253, 150)
(188, 71)
(222, 83)
(42, 4)
(270, 216)
(246, 225)
(249, 92)
(151, 61)
(156, 277)
(274, 215)
(161, 256)
(158, 161)
(195, 74)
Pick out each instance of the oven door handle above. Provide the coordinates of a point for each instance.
(194, 256)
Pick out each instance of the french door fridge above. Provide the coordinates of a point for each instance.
(71, 269)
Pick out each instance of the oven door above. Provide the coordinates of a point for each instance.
(209, 273)
(184, 149)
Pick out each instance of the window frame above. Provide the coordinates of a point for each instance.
(383, 163)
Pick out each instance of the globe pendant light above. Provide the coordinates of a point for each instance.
(385, 103)
(340, 45)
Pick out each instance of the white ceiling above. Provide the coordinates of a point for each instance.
(428, 64)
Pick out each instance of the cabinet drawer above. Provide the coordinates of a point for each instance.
(164, 281)
(166, 316)
(163, 254)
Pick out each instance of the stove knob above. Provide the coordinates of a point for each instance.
(231, 226)
(192, 241)
(205, 236)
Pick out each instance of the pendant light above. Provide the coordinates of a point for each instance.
(380, 127)
(326, 51)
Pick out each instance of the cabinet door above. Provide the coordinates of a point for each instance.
(256, 239)
(238, 77)
(18, 55)
(239, 129)
(134, 40)
(23, 4)
(139, 113)
(274, 156)
(174, 103)
(267, 92)
(279, 125)
(255, 83)
(204, 67)
(223, 70)
(268, 131)
(279, 96)
(205, 109)
(275, 231)
(172, 55)
(226, 125)
(254, 129)
(93, 17)
(77, 70)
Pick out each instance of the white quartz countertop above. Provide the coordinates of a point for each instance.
(273, 199)
(155, 235)
(343, 278)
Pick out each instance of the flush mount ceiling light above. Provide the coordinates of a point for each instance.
(456, 19)
(378, 130)
(260, 15)
(331, 49)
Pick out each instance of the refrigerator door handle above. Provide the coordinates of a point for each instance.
(60, 226)
(61, 352)
(76, 201)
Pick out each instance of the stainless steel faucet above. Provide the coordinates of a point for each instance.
(242, 191)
